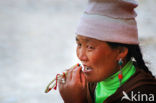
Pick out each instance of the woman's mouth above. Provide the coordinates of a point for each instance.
(87, 69)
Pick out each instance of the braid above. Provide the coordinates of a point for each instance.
(136, 53)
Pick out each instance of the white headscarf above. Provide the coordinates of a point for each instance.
(110, 20)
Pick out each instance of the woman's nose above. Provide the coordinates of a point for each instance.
(82, 55)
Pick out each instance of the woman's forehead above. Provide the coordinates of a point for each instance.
(79, 37)
(86, 39)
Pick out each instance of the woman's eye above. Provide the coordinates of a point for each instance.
(79, 44)
(90, 47)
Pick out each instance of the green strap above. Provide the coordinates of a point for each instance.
(106, 88)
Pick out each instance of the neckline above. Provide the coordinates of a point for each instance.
(110, 85)
(113, 79)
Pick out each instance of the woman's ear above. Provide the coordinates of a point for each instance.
(123, 51)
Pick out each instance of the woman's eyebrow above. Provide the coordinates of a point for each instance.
(84, 39)
(77, 39)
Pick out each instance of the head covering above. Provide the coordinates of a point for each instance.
(110, 20)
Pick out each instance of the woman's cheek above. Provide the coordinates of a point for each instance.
(77, 52)
(89, 54)
(92, 56)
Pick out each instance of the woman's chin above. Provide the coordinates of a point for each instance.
(94, 78)
(91, 79)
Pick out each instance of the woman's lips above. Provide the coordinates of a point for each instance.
(87, 69)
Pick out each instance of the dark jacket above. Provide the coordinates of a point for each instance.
(140, 88)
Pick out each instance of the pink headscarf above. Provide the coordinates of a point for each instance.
(110, 20)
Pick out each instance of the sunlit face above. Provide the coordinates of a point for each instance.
(98, 58)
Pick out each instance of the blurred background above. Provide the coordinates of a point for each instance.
(37, 41)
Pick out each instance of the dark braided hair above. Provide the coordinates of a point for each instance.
(134, 51)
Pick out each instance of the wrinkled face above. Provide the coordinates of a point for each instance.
(97, 57)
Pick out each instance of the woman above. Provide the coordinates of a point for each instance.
(108, 47)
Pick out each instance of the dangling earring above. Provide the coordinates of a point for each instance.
(120, 62)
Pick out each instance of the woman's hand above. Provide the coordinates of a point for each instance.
(74, 90)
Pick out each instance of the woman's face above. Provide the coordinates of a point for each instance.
(97, 57)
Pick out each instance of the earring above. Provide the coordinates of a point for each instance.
(120, 62)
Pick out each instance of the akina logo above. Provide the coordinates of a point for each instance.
(138, 96)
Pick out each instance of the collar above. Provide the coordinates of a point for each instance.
(108, 86)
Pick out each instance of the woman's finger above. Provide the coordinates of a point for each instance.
(60, 85)
(83, 79)
(69, 75)
(70, 72)
(72, 67)
(76, 74)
